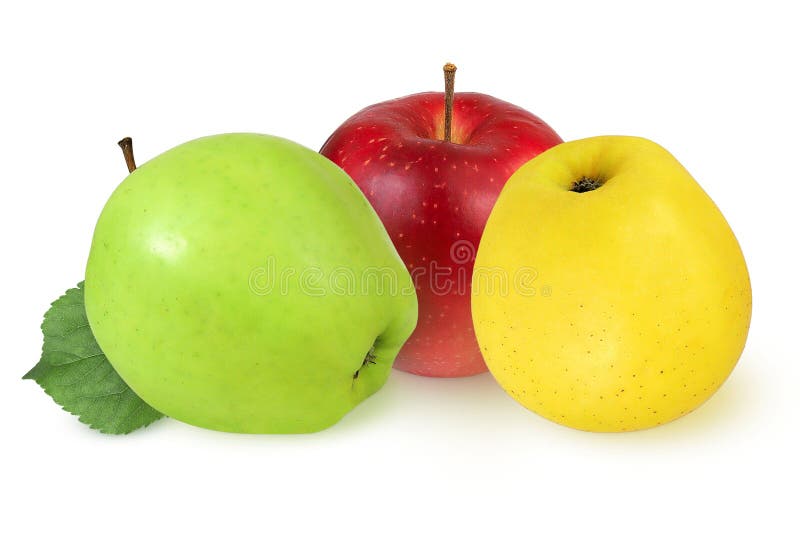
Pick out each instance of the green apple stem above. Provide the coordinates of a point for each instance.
(126, 145)
(449, 93)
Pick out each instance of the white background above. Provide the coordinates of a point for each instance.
(715, 83)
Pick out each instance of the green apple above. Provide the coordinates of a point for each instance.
(242, 282)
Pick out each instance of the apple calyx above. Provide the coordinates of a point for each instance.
(586, 184)
(449, 94)
(126, 144)
(369, 359)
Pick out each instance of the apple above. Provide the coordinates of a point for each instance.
(610, 294)
(433, 187)
(243, 283)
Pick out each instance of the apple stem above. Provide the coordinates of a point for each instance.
(449, 93)
(126, 145)
(586, 184)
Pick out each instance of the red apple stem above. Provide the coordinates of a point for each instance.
(126, 145)
(449, 93)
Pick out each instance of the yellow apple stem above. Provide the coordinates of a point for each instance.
(586, 184)
(449, 93)
(126, 145)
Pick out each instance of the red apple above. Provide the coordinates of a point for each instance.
(434, 197)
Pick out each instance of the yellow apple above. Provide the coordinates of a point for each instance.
(609, 292)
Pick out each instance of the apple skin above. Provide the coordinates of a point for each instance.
(178, 293)
(650, 297)
(434, 198)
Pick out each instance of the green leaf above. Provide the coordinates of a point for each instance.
(74, 371)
